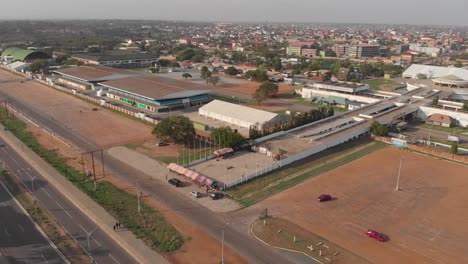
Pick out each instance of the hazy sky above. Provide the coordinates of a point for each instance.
(362, 11)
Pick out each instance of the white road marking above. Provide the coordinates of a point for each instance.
(112, 257)
(22, 229)
(4, 204)
(44, 258)
(46, 192)
(6, 232)
(63, 209)
(97, 242)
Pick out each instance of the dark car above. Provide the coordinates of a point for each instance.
(175, 182)
(376, 235)
(216, 196)
(162, 143)
(324, 198)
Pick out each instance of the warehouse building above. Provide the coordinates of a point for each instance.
(238, 115)
(342, 87)
(441, 76)
(88, 77)
(125, 60)
(156, 94)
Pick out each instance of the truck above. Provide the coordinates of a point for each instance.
(452, 138)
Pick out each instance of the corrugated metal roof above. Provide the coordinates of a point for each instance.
(92, 73)
(155, 87)
(239, 112)
(434, 71)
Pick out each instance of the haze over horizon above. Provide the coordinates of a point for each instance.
(430, 12)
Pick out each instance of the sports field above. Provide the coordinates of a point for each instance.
(426, 221)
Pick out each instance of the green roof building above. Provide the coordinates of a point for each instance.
(13, 54)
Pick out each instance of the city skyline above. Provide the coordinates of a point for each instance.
(450, 12)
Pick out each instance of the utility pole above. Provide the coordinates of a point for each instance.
(399, 172)
(429, 138)
(222, 246)
(139, 194)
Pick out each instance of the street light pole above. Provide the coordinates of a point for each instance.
(429, 138)
(222, 246)
(399, 172)
(138, 197)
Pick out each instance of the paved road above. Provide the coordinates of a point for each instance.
(102, 248)
(213, 223)
(20, 240)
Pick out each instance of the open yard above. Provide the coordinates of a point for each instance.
(384, 84)
(103, 127)
(425, 221)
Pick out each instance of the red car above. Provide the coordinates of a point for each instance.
(376, 235)
(324, 198)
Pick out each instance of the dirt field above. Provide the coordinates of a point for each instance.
(425, 221)
(103, 127)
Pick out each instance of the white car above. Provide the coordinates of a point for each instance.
(195, 194)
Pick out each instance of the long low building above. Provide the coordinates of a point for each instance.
(156, 94)
(88, 77)
(343, 87)
(238, 115)
(416, 70)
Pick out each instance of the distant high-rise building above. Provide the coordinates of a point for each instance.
(363, 51)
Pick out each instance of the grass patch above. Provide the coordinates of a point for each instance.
(260, 188)
(150, 226)
(452, 130)
(383, 84)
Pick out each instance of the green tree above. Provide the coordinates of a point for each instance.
(38, 66)
(231, 71)
(465, 106)
(435, 100)
(315, 65)
(212, 80)
(154, 70)
(227, 137)
(178, 129)
(269, 89)
(205, 73)
(454, 148)
(70, 62)
(259, 97)
(379, 129)
(186, 75)
(257, 75)
(189, 53)
(197, 58)
(276, 63)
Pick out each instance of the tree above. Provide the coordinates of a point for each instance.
(186, 75)
(458, 64)
(465, 106)
(269, 89)
(205, 73)
(70, 62)
(421, 76)
(435, 100)
(231, 71)
(226, 137)
(379, 129)
(189, 53)
(454, 148)
(197, 58)
(39, 66)
(259, 97)
(154, 70)
(257, 75)
(276, 63)
(178, 129)
(213, 80)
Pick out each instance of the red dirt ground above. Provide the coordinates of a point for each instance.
(198, 245)
(425, 221)
(103, 127)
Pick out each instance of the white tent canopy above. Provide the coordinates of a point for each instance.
(235, 114)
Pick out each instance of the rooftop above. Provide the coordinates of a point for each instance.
(94, 73)
(156, 88)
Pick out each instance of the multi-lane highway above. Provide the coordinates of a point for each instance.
(21, 241)
(102, 248)
(211, 222)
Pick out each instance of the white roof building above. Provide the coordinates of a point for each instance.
(237, 115)
(18, 65)
(434, 72)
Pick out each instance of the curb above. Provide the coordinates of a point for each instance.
(94, 211)
(286, 249)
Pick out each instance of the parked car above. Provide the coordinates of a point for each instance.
(216, 196)
(162, 143)
(175, 182)
(195, 194)
(324, 198)
(376, 235)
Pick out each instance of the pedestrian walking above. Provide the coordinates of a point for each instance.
(118, 224)
(166, 177)
(114, 227)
